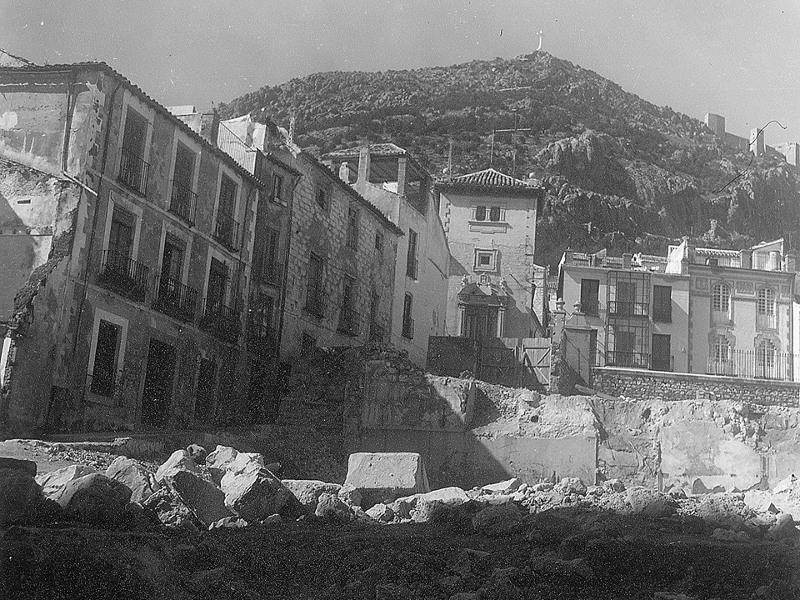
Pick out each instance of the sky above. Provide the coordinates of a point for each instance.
(736, 58)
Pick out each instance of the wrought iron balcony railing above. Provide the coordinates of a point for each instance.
(757, 364)
(183, 202)
(176, 300)
(261, 338)
(348, 321)
(273, 273)
(634, 360)
(227, 231)
(133, 171)
(590, 308)
(123, 275)
(628, 309)
(220, 320)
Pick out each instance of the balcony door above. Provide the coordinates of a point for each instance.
(661, 353)
(480, 322)
(217, 281)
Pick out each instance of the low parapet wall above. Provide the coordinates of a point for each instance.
(641, 384)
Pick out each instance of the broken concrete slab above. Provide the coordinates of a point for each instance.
(308, 491)
(386, 476)
(331, 508)
(204, 498)
(256, 494)
(171, 510)
(451, 496)
(218, 460)
(381, 512)
(142, 482)
(53, 482)
(503, 487)
(245, 462)
(18, 464)
(95, 499)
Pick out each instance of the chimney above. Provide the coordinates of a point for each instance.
(401, 175)
(791, 262)
(344, 172)
(746, 259)
(363, 164)
(209, 126)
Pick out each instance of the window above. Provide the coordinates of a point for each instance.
(721, 298)
(322, 198)
(408, 321)
(722, 349)
(662, 354)
(765, 305)
(480, 213)
(217, 283)
(271, 267)
(589, 296)
(120, 239)
(411, 259)
(227, 229)
(765, 360)
(314, 293)
(183, 199)
(662, 303)
(132, 167)
(376, 333)
(494, 213)
(118, 271)
(352, 228)
(348, 318)
(277, 188)
(105, 359)
(379, 242)
(485, 260)
(172, 260)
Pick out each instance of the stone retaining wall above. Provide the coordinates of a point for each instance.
(652, 385)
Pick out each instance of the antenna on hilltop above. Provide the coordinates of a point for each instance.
(540, 41)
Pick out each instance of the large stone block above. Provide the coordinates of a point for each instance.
(95, 499)
(53, 482)
(256, 494)
(386, 476)
(204, 498)
(308, 491)
(19, 495)
(178, 461)
(142, 483)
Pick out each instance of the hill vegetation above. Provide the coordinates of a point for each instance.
(620, 172)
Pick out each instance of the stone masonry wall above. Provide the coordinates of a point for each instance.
(652, 385)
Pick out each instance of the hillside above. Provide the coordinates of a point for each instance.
(620, 172)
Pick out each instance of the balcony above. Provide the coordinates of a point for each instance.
(133, 171)
(315, 301)
(176, 300)
(590, 308)
(227, 231)
(123, 275)
(767, 321)
(273, 273)
(632, 360)
(408, 328)
(220, 321)
(348, 321)
(261, 339)
(628, 309)
(183, 202)
(755, 364)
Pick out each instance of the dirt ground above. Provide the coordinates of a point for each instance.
(565, 553)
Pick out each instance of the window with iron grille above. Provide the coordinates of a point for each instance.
(722, 348)
(721, 298)
(348, 318)
(480, 213)
(227, 196)
(379, 242)
(133, 168)
(411, 258)
(322, 198)
(494, 213)
(271, 268)
(352, 228)
(662, 303)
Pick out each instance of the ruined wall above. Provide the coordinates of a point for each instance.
(653, 385)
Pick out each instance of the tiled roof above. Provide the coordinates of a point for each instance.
(488, 178)
(385, 149)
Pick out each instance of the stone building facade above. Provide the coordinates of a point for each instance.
(495, 289)
(341, 266)
(138, 238)
(391, 179)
